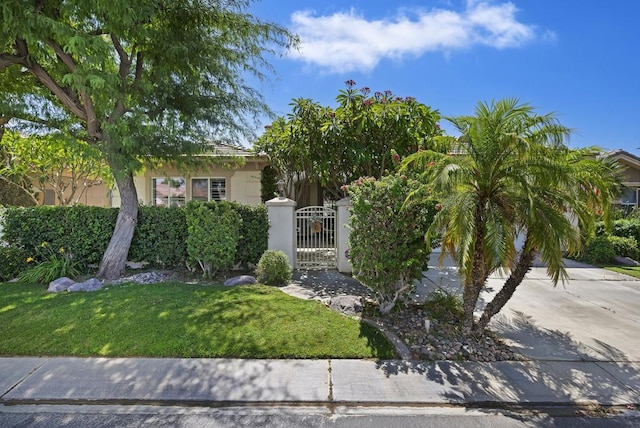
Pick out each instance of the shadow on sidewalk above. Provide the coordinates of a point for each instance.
(570, 375)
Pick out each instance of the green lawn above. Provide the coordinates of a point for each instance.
(627, 270)
(179, 320)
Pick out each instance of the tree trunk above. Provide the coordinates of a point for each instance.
(525, 261)
(115, 257)
(473, 285)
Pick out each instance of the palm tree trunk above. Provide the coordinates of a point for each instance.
(115, 257)
(525, 261)
(473, 286)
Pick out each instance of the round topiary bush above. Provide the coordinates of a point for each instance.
(273, 268)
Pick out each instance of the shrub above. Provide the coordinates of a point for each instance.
(627, 228)
(387, 247)
(599, 251)
(213, 233)
(160, 237)
(274, 268)
(13, 261)
(50, 264)
(625, 247)
(254, 233)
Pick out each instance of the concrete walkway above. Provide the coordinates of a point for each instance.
(581, 340)
(218, 382)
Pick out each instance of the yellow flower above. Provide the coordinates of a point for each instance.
(61, 250)
(44, 244)
(29, 259)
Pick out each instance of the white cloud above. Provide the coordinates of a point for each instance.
(347, 41)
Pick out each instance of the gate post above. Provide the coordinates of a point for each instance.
(342, 239)
(281, 213)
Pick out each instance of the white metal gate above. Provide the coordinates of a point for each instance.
(316, 238)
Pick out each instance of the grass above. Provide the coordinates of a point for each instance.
(633, 271)
(179, 320)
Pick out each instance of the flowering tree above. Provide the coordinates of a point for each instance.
(335, 146)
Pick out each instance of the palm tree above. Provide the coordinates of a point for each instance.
(508, 175)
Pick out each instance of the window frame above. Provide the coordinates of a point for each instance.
(171, 199)
(210, 197)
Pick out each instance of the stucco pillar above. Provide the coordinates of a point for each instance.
(342, 239)
(282, 236)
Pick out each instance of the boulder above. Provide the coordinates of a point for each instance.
(240, 280)
(348, 305)
(60, 284)
(92, 284)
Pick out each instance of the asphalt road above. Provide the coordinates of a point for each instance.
(291, 417)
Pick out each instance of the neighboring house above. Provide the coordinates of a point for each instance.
(631, 181)
(221, 179)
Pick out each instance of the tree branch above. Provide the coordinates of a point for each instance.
(7, 60)
(66, 59)
(67, 99)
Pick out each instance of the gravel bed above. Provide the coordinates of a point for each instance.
(443, 340)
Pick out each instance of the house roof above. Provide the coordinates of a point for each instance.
(229, 150)
(620, 154)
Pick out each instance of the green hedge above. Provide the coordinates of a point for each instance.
(160, 237)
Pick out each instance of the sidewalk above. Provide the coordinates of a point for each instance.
(223, 382)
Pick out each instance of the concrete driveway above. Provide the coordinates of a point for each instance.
(594, 316)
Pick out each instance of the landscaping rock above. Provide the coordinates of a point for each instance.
(60, 284)
(91, 284)
(240, 280)
(348, 305)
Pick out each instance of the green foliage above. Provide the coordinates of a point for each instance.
(50, 264)
(335, 146)
(13, 261)
(627, 228)
(55, 161)
(160, 237)
(142, 80)
(624, 247)
(512, 172)
(268, 183)
(213, 232)
(444, 307)
(274, 268)
(598, 251)
(387, 247)
(254, 233)
(83, 231)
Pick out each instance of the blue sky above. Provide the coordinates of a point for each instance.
(577, 58)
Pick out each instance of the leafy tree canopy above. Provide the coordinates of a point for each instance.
(360, 137)
(135, 78)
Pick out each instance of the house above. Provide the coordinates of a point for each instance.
(233, 174)
(631, 180)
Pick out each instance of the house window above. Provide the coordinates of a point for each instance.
(629, 197)
(209, 189)
(169, 191)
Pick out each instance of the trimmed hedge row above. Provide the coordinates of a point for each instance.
(160, 237)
